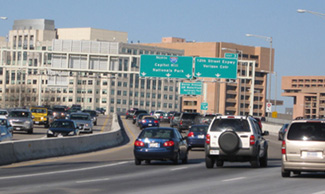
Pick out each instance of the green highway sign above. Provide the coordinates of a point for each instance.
(204, 106)
(187, 88)
(166, 66)
(231, 55)
(215, 67)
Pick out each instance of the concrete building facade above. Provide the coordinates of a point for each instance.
(226, 96)
(308, 94)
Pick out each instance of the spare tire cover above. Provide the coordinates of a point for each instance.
(229, 142)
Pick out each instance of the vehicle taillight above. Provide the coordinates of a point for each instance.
(252, 140)
(144, 121)
(161, 117)
(127, 113)
(230, 117)
(139, 143)
(207, 139)
(156, 121)
(169, 143)
(181, 122)
(172, 118)
(283, 148)
(190, 134)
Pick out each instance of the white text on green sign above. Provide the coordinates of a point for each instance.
(216, 68)
(166, 66)
(231, 55)
(204, 106)
(187, 88)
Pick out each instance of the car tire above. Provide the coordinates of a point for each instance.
(263, 160)
(137, 161)
(95, 123)
(175, 160)
(229, 142)
(285, 173)
(148, 161)
(209, 162)
(30, 131)
(185, 159)
(220, 163)
(255, 162)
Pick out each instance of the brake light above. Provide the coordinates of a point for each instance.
(252, 140)
(283, 148)
(169, 143)
(181, 122)
(230, 117)
(156, 121)
(144, 121)
(139, 143)
(172, 118)
(191, 134)
(207, 139)
(161, 117)
(127, 113)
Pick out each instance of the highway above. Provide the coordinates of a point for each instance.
(113, 171)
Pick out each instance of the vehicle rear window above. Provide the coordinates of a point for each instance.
(62, 124)
(3, 112)
(307, 131)
(159, 134)
(79, 117)
(237, 125)
(38, 110)
(189, 116)
(199, 128)
(18, 114)
(150, 118)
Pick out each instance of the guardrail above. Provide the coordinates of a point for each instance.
(18, 151)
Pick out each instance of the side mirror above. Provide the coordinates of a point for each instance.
(265, 133)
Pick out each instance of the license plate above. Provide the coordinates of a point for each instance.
(214, 152)
(18, 128)
(154, 145)
(149, 124)
(311, 154)
(200, 136)
(36, 122)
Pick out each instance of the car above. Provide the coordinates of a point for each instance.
(207, 118)
(130, 113)
(259, 121)
(4, 113)
(101, 110)
(59, 112)
(175, 119)
(160, 143)
(139, 118)
(235, 139)
(63, 127)
(158, 113)
(5, 130)
(83, 121)
(21, 120)
(282, 131)
(148, 121)
(303, 147)
(136, 113)
(167, 116)
(187, 119)
(40, 115)
(93, 115)
(196, 136)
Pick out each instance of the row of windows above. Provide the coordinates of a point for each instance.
(308, 80)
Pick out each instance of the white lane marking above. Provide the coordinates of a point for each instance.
(62, 171)
(320, 192)
(181, 168)
(93, 180)
(234, 179)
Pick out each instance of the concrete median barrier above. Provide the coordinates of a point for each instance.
(17, 151)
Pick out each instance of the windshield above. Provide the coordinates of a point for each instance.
(307, 131)
(3, 122)
(154, 133)
(63, 124)
(232, 124)
(79, 117)
(92, 113)
(18, 114)
(189, 116)
(3, 112)
(58, 110)
(38, 110)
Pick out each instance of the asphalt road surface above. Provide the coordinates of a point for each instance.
(113, 171)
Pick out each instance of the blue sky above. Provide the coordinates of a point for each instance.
(298, 39)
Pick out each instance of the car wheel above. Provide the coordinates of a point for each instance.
(189, 148)
(185, 159)
(175, 160)
(296, 172)
(95, 123)
(148, 161)
(209, 162)
(263, 160)
(219, 163)
(285, 173)
(30, 131)
(137, 161)
(255, 162)
(229, 142)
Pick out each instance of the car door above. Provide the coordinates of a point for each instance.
(260, 139)
(182, 144)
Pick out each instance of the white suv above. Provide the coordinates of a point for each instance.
(235, 139)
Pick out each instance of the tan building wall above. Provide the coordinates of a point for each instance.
(308, 94)
(91, 34)
(225, 98)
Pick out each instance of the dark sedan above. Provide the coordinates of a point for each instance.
(148, 121)
(63, 127)
(196, 136)
(157, 143)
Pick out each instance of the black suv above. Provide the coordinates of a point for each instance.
(235, 139)
(186, 120)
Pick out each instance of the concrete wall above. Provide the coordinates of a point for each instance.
(17, 151)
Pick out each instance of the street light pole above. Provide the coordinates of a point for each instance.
(269, 39)
(311, 12)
